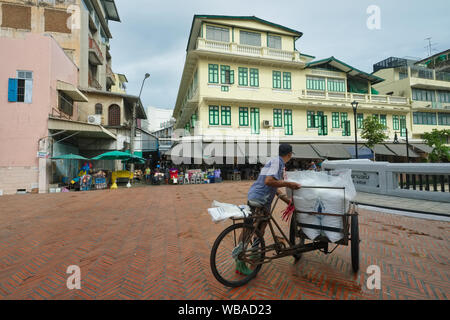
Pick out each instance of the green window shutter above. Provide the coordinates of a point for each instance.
(403, 126)
(359, 120)
(243, 76)
(383, 120)
(277, 118)
(243, 116)
(346, 130)
(276, 79)
(288, 122)
(214, 115)
(336, 85)
(325, 125)
(254, 77)
(254, 120)
(344, 117)
(335, 120)
(310, 119)
(287, 80)
(395, 122)
(225, 75)
(213, 71)
(226, 116)
(231, 76)
(315, 83)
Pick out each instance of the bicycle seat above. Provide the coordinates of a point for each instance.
(255, 204)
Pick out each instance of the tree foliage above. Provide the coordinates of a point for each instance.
(373, 132)
(437, 140)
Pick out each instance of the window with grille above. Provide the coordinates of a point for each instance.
(276, 79)
(315, 83)
(254, 77)
(250, 38)
(288, 122)
(254, 120)
(274, 41)
(217, 34)
(226, 116)
(444, 119)
(243, 76)
(213, 73)
(277, 118)
(287, 80)
(98, 108)
(65, 103)
(336, 85)
(243, 116)
(214, 115)
(114, 115)
(423, 118)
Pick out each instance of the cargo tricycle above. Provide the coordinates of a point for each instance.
(240, 250)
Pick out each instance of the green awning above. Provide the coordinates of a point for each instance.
(374, 91)
(116, 155)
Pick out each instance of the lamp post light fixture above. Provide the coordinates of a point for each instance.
(355, 107)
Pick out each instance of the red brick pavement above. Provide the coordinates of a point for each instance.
(154, 243)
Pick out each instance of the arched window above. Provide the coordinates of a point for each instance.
(98, 108)
(114, 115)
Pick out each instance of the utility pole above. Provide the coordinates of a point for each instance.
(133, 122)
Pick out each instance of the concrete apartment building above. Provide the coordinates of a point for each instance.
(245, 77)
(101, 120)
(426, 83)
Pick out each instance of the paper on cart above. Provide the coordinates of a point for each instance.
(223, 211)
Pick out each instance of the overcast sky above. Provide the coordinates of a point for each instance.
(153, 35)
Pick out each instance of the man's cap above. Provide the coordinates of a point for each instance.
(284, 149)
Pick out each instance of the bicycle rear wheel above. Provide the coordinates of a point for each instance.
(231, 262)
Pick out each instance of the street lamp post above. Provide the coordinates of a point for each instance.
(133, 122)
(355, 107)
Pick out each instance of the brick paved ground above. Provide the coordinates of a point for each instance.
(154, 243)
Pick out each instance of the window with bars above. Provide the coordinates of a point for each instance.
(243, 116)
(277, 118)
(346, 131)
(114, 115)
(274, 41)
(65, 103)
(213, 73)
(217, 34)
(250, 38)
(214, 115)
(288, 122)
(423, 95)
(383, 120)
(243, 76)
(276, 79)
(98, 108)
(344, 117)
(322, 124)
(254, 77)
(310, 119)
(254, 120)
(395, 122)
(226, 75)
(287, 80)
(444, 96)
(335, 123)
(315, 83)
(360, 121)
(336, 85)
(403, 125)
(444, 119)
(423, 118)
(226, 116)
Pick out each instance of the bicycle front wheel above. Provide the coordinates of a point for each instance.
(237, 255)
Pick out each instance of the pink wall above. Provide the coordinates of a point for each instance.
(22, 124)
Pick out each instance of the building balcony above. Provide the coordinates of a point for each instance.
(248, 51)
(425, 78)
(93, 82)
(95, 54)
(110, 75)
(349, 97)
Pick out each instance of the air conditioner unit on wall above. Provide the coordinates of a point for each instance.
(267, 123)
(95, 119)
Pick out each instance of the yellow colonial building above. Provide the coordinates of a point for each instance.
(245, 77)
